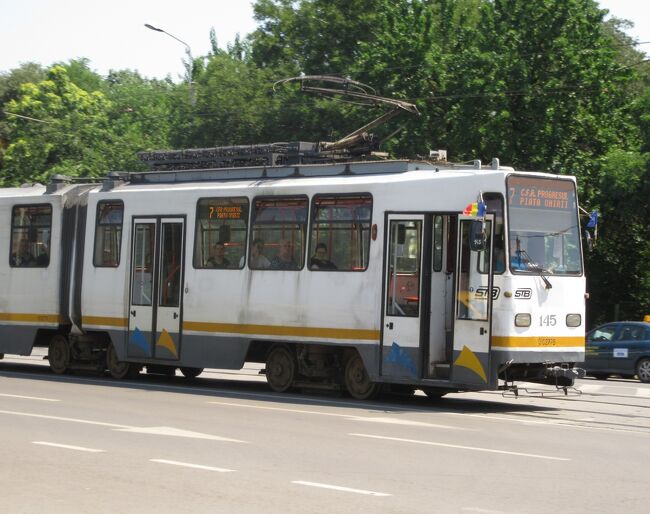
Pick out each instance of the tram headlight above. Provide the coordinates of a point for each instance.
(573, 320)
(522, 319)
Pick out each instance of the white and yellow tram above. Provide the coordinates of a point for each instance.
(350, 275)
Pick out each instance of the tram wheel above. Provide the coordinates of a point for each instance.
(191, 372)
(643, 370)
(58, 354)
(117, 368)
(280, 369)
(434, 393)
(357, 381)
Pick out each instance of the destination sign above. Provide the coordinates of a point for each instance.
(226, 212)
(539, 193)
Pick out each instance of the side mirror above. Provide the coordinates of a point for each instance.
(477, 237)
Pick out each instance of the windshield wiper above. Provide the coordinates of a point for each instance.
(536, 267)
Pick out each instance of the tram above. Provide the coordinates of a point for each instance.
(345, 275)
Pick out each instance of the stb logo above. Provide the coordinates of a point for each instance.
(482, 293)
(524, 294)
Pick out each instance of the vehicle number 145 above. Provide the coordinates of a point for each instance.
(548, 321)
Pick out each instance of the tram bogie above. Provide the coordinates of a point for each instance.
(351, 277)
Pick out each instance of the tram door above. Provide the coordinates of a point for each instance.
(401, 356)
(442, 292)
(473, 306)
(155, 305)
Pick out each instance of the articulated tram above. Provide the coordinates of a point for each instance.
(356, 275)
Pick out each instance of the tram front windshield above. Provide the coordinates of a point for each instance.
(543, 234)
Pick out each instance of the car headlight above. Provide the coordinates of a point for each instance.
(573, 320)
(522, 319)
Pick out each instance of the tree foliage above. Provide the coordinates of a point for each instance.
(545, 85)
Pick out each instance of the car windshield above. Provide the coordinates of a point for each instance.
(544, 235)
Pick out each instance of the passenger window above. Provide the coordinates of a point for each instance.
(340, 233)
(108, 234)
(403, 291)
(221, 229)
(438, 227)
(279, 228)
(31, 230)
(631, 333)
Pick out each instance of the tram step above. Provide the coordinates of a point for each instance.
(441, 369)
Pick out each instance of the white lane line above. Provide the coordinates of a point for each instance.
(460, 447)
(390, 421)
(176, 432)
(339, 488)
(188, 465)
(60, 418)
(589, 388)
(69, 447)
(643, 392)
(166, 431)
(29, 397)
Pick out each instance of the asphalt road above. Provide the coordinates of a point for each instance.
(225, 443)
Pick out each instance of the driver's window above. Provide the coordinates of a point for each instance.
(603, 334)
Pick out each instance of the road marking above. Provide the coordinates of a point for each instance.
(176, 432)
(390, 421)
(188, 465)
(588, 388)
(60, 418)
(339, 488)
(168, 431)
(643, 392)
(460, 447)
(69, 447)
(29, 397)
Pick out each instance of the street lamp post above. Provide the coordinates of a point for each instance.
(189, 55)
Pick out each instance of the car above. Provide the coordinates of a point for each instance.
(619, 348)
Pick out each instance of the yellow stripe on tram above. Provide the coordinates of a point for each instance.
(104, 321)
(31, 318)
(277, 330)
(537, 342)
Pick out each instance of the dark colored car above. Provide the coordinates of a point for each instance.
(620, 348)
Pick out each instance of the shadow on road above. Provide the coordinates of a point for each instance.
(240, 386)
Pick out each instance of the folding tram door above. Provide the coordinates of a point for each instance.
(155, 296)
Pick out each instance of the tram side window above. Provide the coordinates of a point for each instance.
(108, 234)
(279, 229)
(494, 205)
(31, 230)
(340, 233)
(221, 229)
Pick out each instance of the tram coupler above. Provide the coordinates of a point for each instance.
(564, 376)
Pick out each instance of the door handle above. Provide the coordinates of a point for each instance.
(133, 312)
(175, 315)
(389, 325)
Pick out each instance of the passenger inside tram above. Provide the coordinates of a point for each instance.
(319, 260)
(217, 257)
(284, 259)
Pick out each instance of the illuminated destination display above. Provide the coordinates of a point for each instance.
(225, 212)
(539, 193)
